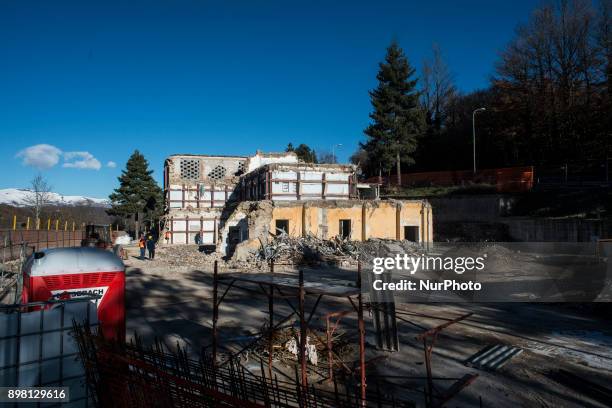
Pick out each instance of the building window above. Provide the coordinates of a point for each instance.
(345, 229)
(217, 173)
(411, 233)
(234, 235)
(190, 169)
(282, 226)
(285, 187)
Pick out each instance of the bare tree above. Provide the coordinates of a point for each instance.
(39, 197)
(325, 157)
(549, 83)
(438, 89)
(604, 40)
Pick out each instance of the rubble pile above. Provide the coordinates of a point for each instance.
(375, 247)
(284, 249)
(310, 249)
(181, 255)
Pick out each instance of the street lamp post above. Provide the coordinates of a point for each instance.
(474, 132)
(334, 151)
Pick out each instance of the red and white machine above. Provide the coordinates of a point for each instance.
(63, 273)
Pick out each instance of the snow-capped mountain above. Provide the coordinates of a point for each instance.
(19, 198)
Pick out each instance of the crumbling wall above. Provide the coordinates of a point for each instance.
(321, 219)
(257, 215)
(201, 181)
(197, 168)
(314, 229)
(261, 159)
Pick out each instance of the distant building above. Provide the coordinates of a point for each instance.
(207, 202)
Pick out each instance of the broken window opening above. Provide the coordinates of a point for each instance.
(411, 233)
(282, 226)
(345, 229)
(241, 168)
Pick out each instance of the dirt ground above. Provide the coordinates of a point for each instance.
(173, 303)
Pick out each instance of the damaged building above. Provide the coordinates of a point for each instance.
(227, 202)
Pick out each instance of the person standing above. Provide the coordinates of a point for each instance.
(142, 246)
(151, 246)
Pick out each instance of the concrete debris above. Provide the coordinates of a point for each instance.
(311, 349)
(285, 345)
(309, 249)
(284, 249)
(306, 250)
(182, 255)
(123, 240)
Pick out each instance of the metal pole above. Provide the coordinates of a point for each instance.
(474, 133)
(271, 322)
(361, 325)
(330, 356)
(429, 398)
(474, 138)
(215, 315)
(302, 333)
(3, 262)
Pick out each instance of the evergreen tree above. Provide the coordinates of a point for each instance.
(138, 196)
(397, 119)
(306, 154)
(303, 152)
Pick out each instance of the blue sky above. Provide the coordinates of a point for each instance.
(96, 80)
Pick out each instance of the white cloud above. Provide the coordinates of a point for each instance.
(41, 156)
(45, 156)
(81, 160)
(111, 164)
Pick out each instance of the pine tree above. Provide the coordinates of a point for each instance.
(306, 154)
(397, 120)
(138, 196)
(303, 152)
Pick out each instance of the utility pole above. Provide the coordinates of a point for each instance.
(474, 132)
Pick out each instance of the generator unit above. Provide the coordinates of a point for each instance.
(64, 273)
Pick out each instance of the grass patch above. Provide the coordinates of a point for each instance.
(436, 191)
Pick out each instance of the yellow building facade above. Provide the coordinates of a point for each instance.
(356, 220)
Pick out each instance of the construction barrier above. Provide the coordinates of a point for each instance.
(11, 241)
(31, 223)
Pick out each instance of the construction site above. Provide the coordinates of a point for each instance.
(259, 295)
